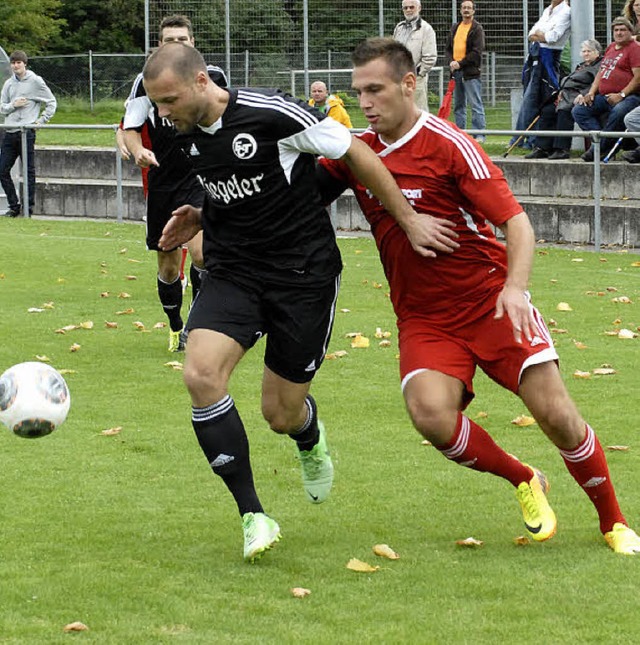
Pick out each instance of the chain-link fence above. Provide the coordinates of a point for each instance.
(288, 43)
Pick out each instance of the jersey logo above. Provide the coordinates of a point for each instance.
(193, 151)
(244, 146)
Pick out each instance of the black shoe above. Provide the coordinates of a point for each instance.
(13, 212)
(633, 156)
(560, 154)
(537, 153)
(588, 155)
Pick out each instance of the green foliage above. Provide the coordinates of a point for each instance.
(132, 535)
(31, 25)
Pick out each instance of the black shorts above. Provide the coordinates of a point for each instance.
(296, 321)
(162, 202)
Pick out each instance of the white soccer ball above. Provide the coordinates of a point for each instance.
(34, 399)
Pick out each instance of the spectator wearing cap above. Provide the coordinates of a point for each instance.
(614, 91)
(25, 100)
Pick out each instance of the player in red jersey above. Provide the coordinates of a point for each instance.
(461, 297)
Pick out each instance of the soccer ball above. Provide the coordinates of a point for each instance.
(34, 399)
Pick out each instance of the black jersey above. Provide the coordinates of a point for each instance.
(264, 217)
(141, 114)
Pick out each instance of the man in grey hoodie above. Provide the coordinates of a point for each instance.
(23, 96)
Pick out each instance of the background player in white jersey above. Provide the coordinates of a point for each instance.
(469, 306)
(168, 182)
(273, 265)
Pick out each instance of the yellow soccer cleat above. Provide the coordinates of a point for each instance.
(622, 539)
(539, 518)
(176, 341)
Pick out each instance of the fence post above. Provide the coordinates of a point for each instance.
(25, 172)
(246, 68)
(595, 137)
(91, 80)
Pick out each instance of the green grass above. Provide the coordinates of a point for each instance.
(132, 534)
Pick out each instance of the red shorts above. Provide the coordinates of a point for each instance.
(485, 342)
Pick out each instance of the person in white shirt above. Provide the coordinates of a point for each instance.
(540, 76)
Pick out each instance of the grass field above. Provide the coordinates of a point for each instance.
(133, 536)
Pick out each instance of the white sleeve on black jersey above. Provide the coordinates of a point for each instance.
(136, 113)
(327, 138)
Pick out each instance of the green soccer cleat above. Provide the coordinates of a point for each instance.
(539, 518)
(176, 341)
(260, 534)
(317, 469)
(622, 539)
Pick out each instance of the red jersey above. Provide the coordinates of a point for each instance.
(617, 67)
(442, 172)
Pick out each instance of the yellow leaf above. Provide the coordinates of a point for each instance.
(552, 322)
(563, 306)
(345, 311)
(104, 294)
(611, 289)
(618, 448)
(175, 365)
(300, 592)
(124, 294)
(623, 300)
(353, 334)
(67, 328)
(635, 264)
(521, 540)
(577, 260)
(125, 312)
(133, 260)
(35, 310)
(603, 371)
(385, 551)
(48, 305)
(124, 250)
(377, 285)
(385, 343)
(470, 542)
(426, 442)
(626, 333)
(43, 358)
(523, 421)
(131, 277)
(110, 325)
(88, 324)
(579, 345)
(75, 627)
(581, 374)
(138, 325)
(360, 342)
(361, 567)
(110, 432)
(65, 371)
(557, 330)
(160, 325)
(74, 348)
(482, 415)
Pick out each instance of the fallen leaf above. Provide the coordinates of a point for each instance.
(35, 310)
(426, 442)
(521, 540)
(345, 311)
(74, 348)
(75, 627)
(384, 343)
(134, 260)
(635, 264)
(618, 448)
(553, 281)
(623, 300)
(482, 415)
(360, 342)
(552, 322)
(124, 250)
(160, 325)
(300, 592)
(612, 289)
(110, 432)
(131, 277)
(563, 306)
(67, 328)
(377, 285)
(48, 305)
(361, 567)
(66, 371)
(42, 358)
(523, 421)
(603, 371)
(125, 312)
(626, 333)
(577, 260)
(88, 324)
(175, 365)
(469, 542)
(110, 325)
(353, 334)
(104, 294)
(579, 345)
(581, 374)
(385, 551)
(557, 330)
(124, 295)
(617, 321)
(138, 325)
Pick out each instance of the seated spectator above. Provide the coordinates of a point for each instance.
(632, 123)
(559, 117)
(331, 105)
(614, 90)
(631, 12)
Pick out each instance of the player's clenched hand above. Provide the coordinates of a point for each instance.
(515, 303)
(183, 225)
(145, 158)
(429, 235)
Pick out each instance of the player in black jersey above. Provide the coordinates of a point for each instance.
(169, 183)
(273, 265)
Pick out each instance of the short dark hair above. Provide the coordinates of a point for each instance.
(184, 61)
(18, 55)
(176, 20)
(394, 53)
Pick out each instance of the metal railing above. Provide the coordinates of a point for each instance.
(595, 136)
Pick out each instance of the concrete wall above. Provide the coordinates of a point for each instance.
(558, 196)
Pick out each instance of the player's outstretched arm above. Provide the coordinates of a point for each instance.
(121, 144)
(513, 299)
(428, 235)
(185, 222)
(141, 155)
